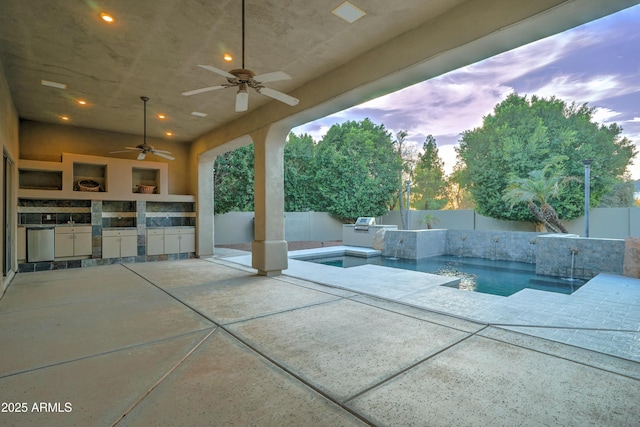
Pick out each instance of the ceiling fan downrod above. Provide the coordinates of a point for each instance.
(145, 99)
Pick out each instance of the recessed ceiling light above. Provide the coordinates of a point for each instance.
(227, 57)
(65, 118)
(106, 17)
(53, 84)
(348, 12)
(168, 133)
(162, 116)
(82, 102)
(198, 114)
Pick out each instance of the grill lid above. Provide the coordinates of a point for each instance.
(364, 222)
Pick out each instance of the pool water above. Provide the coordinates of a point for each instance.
(502, 278)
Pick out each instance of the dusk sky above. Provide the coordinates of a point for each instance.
(597, 63)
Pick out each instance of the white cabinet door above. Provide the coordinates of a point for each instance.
(111, 247)
(155, 242)
(129, 245)
(64, 243)
(187, 241)
(82, 244)
(171, 241)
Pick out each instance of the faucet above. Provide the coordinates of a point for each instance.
(71, 221)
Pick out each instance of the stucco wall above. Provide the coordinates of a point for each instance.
(43, 141)
(9, 142)
(237, 227)
(611, 223)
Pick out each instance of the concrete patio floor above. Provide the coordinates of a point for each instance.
(207, 342)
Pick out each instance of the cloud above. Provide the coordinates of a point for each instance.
(589, 89)
(604, 115)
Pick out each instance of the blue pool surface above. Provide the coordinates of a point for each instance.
(502, 278)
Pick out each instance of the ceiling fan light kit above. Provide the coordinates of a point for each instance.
(145, 148)
(244, 78)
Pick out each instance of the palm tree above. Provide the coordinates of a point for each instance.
(536, 190)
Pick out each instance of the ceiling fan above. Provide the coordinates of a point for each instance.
(244, 78)
(145, 148)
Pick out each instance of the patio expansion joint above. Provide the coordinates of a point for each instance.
(290, 372)
(411, 366)
(173, 297)
(285, 311)
(572, 328)
(558, 356)
(104, 353)
(169, 372)
(482, 325)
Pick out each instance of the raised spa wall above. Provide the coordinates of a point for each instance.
(551, 253)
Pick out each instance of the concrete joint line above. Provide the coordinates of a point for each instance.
(411, 366)
(549, 353)
(169, 372)
(176, 299)
(288, 310)
(293, 374)
(129, 347)
(576, 328)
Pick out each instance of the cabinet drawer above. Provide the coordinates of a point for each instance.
(119, 233)
(69, 230)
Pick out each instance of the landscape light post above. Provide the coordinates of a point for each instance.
(587, 193)
(408, 201)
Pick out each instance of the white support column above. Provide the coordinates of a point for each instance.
(204, 207)
(269, 248)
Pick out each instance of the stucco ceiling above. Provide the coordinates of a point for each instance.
(154, 46)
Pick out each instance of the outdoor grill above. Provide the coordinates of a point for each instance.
(364, 222)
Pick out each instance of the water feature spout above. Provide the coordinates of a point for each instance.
(573, 251)
(532, 243)
(463, 238)
(395, 255)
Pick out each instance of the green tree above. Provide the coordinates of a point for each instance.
(620, 196)
(300, 192)
(407, 156)
(356, 170)
(525, 135)
(429, 182)
(233, 181)
(536, 191)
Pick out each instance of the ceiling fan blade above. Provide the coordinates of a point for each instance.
(123, 151)
(290, 100)
(242, 101)
(204, 89)
(141, 155)
(272, 77)
(161, 151)
(166, 156)
(218, 71)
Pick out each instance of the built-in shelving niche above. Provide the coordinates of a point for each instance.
(30, 179)
(89, 172)
(147, 178)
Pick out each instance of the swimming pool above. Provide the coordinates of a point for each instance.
(502, 278)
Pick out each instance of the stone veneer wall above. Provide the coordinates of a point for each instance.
(550, 252)
(497, 245)
(414, 244)
(592, 256)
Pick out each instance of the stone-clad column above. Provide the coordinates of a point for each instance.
(269, 248)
